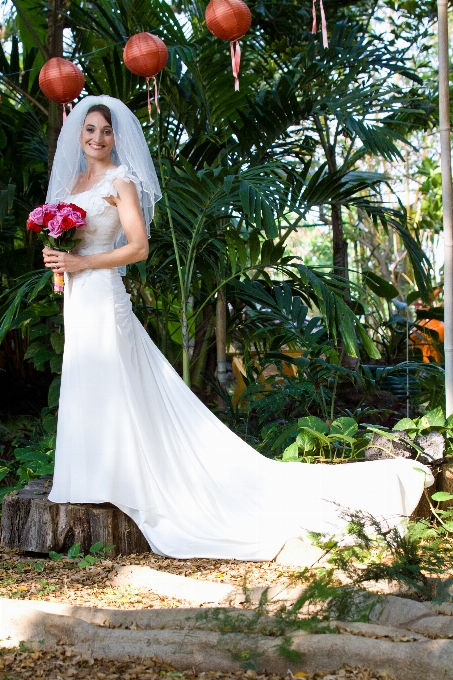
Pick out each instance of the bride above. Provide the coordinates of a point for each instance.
(130, 432)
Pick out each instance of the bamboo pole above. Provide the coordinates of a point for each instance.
(447, 196)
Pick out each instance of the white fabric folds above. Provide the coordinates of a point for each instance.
(131, 433)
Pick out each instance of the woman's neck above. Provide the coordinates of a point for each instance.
(97, 168)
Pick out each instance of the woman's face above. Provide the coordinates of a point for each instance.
(97, 138)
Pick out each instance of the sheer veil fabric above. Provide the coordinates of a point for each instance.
(131, 433)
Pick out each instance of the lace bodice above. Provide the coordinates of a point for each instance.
(103, 223)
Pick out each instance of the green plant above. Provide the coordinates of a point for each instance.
(433, 420)
(249, 660)
(317, 440)
(27, 451)
(45, 587)
(443, 515)
(97, 552)
(343, 439)
(406, 554)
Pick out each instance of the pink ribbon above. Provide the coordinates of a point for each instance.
(314, 29)
(156, 97)
(235, 61)
(149, 103)
(64, 110)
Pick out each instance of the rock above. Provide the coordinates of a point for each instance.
(433, 626)
(157, 619)
(387, 587)
(373, 630)
(433, 445)
(297, 553)
(382, 447)
(179, 587)
(398, 611)
(225, 652)
(442, 608)
(276, 595)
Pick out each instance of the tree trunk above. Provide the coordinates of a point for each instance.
(55, 48)
(54, 124)
(220, 337)
(442, 477)
(446, 483)
(203, 338)
(339, 244)
(31, 523)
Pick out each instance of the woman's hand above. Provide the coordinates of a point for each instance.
(60, 261)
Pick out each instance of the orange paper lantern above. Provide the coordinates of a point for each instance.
(229, 20)
(146, 55)
(61, 80)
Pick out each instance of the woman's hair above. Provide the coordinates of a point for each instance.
(103, 110)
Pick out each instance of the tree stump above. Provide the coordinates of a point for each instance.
(443, 481)
(32, 523)
(446, 479)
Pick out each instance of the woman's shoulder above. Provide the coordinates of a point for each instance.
(122, 179)
(116, 179)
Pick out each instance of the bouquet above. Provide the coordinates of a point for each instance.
(56, 226)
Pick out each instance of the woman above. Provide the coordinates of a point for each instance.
(130, 432)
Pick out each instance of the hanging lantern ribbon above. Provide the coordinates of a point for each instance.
(156, 97)
(314, 28)
(235, 61)
(64, 109)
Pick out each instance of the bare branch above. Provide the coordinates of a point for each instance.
(18, 89)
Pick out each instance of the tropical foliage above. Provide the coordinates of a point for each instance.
(306, 143)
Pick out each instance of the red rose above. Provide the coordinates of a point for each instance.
(34, 227)
(81, 211)
(67, 223)
(60, 206)
(47, 217)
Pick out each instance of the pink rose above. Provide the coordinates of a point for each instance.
(54, 226)
(37, 215)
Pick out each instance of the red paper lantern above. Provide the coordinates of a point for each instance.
(61, 80)
(146, 55)
(229, 20)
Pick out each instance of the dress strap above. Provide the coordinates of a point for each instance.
(105, 187)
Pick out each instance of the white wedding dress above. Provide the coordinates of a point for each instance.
(131, 433)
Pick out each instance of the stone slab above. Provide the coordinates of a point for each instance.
(180, 587)
(374, 630)
(397, 611)
(225, 652)
(299, 554)
(434, 626)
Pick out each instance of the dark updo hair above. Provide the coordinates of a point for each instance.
(103, 110)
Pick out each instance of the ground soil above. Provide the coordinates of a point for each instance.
(31, 577)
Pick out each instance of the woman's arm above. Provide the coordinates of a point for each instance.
(133, 225)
